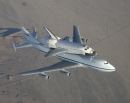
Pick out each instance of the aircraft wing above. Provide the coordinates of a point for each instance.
(55, 67)
(76, 35)
(23, 45)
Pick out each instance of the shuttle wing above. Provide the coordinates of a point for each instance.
(76, 35)
(55, 67)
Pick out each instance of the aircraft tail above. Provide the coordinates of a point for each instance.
(25, 44)
(51, 34)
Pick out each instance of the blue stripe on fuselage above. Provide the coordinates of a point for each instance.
(83, 63)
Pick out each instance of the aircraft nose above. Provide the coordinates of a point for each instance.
(109, 66)
(112, 68)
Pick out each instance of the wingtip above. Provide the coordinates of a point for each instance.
(75, 26)
(14, 47)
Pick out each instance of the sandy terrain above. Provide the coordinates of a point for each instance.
(97, 20)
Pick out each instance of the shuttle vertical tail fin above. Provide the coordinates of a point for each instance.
(76, 35)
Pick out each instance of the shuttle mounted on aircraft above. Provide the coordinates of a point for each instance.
(72, 51)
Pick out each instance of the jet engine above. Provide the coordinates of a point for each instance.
(66, 73)
(44, 76)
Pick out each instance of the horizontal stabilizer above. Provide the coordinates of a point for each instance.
(14, 47)
(24, 45)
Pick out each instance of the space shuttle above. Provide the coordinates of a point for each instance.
(71, 51)
(72, 45)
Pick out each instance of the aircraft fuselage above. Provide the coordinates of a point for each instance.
(73, 55)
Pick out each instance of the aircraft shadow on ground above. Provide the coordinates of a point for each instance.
(8, 31)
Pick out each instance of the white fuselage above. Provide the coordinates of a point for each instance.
(85, 61)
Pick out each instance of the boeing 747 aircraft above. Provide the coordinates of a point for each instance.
(71, 51)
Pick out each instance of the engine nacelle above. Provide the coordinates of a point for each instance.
(66, 72)
(44, 76)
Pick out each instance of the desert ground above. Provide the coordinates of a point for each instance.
(106, 25)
